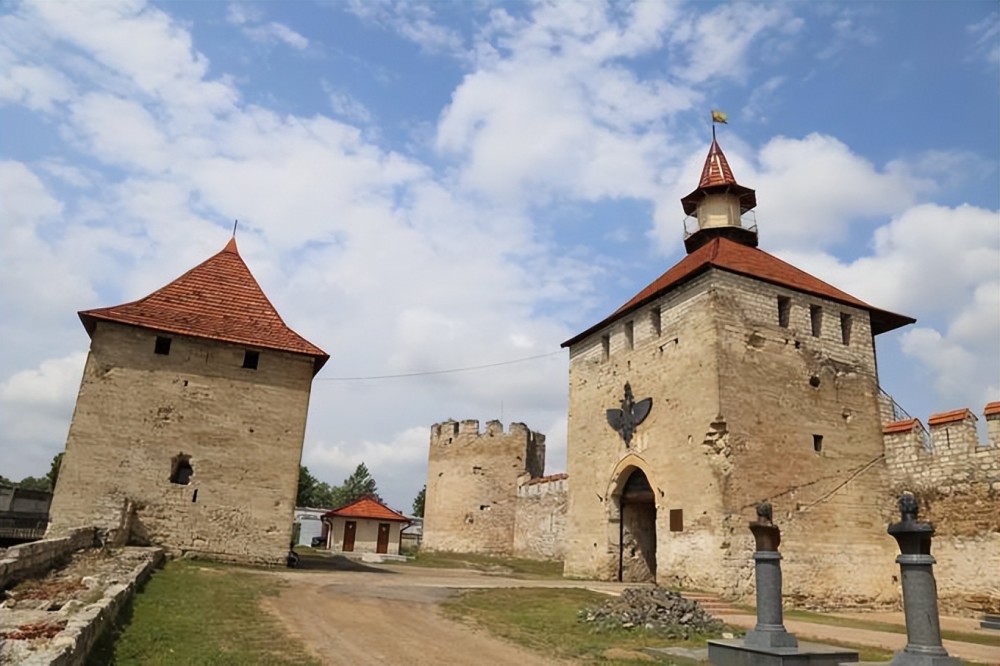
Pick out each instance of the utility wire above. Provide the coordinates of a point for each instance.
(440, 372)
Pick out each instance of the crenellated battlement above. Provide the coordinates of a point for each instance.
(946, 455)
(448, 431)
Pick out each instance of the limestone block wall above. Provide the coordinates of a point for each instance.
(28, 560)
(472, 481)
(799, 405)
(540, 518)
(138, 413)
(666, 351)
(956, 478)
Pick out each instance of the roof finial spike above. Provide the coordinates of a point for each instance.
(236, 222)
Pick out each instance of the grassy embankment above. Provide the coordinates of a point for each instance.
(545, 620)
(196, 613)
(501, 565)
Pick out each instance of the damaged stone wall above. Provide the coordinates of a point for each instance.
(141, 416)
(799, 399)
(540, 518)
(956, 478)
(31, 559)
(666, 351)
(472, 485)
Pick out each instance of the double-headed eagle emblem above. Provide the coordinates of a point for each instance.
(631, 414)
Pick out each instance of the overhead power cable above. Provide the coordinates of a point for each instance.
(440, 372)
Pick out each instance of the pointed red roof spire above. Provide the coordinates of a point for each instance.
(218, 299)
(716, 170)
(717, 177)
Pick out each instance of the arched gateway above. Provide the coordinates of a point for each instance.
(635, 505)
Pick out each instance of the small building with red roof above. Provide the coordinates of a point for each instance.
(732, 377)
(364, 526)
(190, 419)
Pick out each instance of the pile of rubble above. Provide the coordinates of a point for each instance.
(656, 610)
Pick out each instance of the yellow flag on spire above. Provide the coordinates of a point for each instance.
(719, 117)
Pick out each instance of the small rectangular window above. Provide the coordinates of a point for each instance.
(655, 319)
(817, 443)
(250, 359)
(845, 328)
(677, 520)
(162, 346)
(816, 318)
(605, 347)
(630, 335)
(784, 310)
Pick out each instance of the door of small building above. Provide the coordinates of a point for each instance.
(350, 529)
(383, 538)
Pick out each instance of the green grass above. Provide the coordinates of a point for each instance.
(198, 613)
(545, 620)
(888, 627)
(503, 565)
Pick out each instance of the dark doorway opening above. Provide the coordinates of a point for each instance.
(637, 530)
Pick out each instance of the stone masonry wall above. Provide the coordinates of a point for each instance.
(800, 405)
(242, 430)
(745, 407)
(472, 481)
(540, 518)
(32, 559)
(666, 351)
(956, 479)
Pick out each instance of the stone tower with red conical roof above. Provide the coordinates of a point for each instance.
(761, 383)
(190, 419)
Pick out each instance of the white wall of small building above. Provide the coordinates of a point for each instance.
(365, 537)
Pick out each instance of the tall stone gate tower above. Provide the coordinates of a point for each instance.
(190, 418)
(761, 383)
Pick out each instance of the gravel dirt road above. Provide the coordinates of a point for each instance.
(387, 615)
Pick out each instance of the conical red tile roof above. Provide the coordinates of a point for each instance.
(368, 507)
(716, 175)
(716, 170)
(734, 257)
(218, 299)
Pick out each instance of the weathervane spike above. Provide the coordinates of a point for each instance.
(236, 222)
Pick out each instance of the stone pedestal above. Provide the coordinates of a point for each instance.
(920, 608)
(770, 644)
(770, 630)
(738, 653)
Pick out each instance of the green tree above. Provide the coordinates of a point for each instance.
(418, 502)
(34, 483)
(356, 486)
(313, 492)
(54, 470)
(306, 488)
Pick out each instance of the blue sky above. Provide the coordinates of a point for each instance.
(431, 186)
